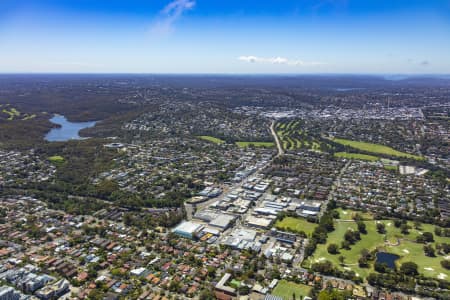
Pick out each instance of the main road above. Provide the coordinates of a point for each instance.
(277, 141)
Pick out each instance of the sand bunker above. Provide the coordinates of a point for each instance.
(320, 259)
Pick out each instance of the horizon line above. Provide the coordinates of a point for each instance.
(226, 74)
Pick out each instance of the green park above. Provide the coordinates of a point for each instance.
(393, 240)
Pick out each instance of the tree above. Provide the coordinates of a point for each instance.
(398, 223)
(324, 267)
(437, 231)
(427, 237)
(372, 279)
(352, 236)
(243, 289)
(357, 217)
(310, 248)
(381, 228)
(445, 264)
(445, 248)
(429, 250)
(404, 228)
(361, 227)
(381, 267)
(345, 245)
(362, 262)
(417, 225)
(207, 294)
(409, 268)
(341, 259)
(333, 249)
(327, 222)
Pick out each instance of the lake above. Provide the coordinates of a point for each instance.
(67, 131)
(387, 258)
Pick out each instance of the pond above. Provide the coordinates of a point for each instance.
(67, 130)
(387, 258)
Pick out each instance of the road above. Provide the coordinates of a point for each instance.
(336, 183)
(277, 141)
(191, 208)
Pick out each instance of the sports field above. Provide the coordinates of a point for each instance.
(296, 225)
(286, 290)
(255, 144)
(375, 148)
(359, 156)
(211, 139)
(57, 159)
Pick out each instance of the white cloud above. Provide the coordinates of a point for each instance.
(277, 61)
(170, 14)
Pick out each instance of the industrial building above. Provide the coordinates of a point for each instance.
(259, 222)
(309, 208)
(282, 236)
(216, 219)
(188, 229)
(223, 221)
(243, 239)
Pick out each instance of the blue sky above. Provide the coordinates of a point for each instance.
(225, 36)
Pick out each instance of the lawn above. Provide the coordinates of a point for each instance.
(391, 168)
(348, 214)
(57, 159)
(408, 250)
(296, 225)
(369, 241)
(375, 148)
(285, 289)
(211, 139)
(255, 144)
(359, 156)
(429, 266)
(235, 283)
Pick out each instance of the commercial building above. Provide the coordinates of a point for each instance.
(53, 291)
(8, 293)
